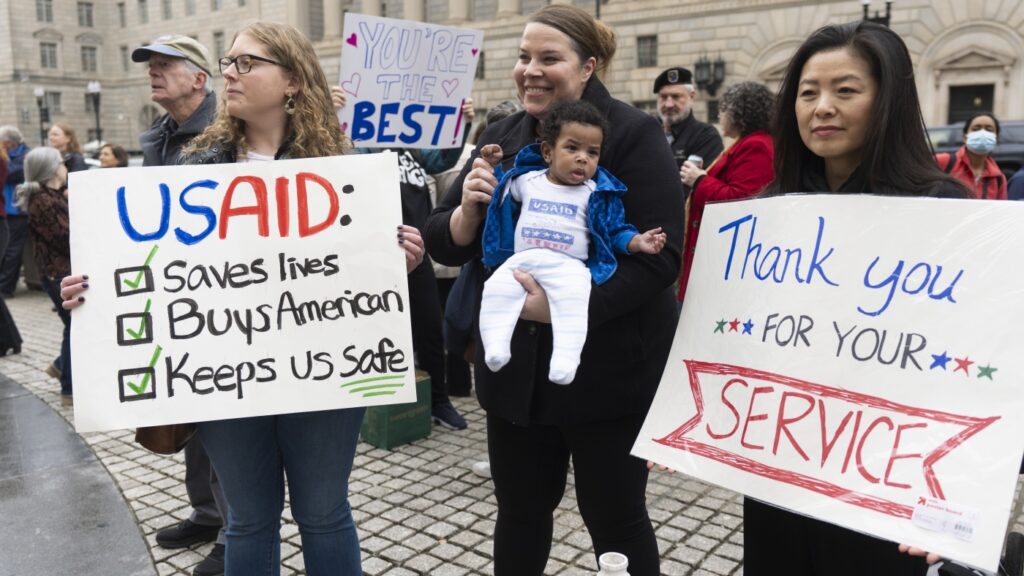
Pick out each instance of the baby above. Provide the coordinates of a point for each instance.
(559, 217)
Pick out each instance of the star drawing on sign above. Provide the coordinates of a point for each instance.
(939, 361)
(986, 371)
(963, 364)
(734, 326)
(748, 326)
(720, 326)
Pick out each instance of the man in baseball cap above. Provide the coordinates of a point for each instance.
(178, 71)
(685, 134)
(175, 46)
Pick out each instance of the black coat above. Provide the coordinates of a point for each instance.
(691, 136)
(162, 143)
(632, 316)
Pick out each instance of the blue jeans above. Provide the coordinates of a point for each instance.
(52, 288)
(315, 450)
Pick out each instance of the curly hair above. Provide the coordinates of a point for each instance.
(313, 129)
(569, 112)
(750, 106)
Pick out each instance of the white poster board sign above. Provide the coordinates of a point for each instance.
(855, 359)
(238, 290)
(405, 82)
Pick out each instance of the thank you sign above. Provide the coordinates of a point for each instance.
(405, 82)
(855, 359)
(238, 290)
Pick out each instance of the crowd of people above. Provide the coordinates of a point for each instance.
(568, 370)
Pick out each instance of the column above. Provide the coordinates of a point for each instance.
(507, 8)
(332, 18)
(458, 11)
(372, 7)
(413, 10)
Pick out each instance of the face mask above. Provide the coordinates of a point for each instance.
(981, 141)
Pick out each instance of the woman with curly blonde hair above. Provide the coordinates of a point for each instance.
(276, 104)
(298, 104)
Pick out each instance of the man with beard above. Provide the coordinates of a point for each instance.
(686, 135)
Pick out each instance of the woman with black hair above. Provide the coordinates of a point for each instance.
(973, 164)
(741, 171)
(847, 121)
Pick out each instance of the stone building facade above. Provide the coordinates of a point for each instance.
(969, 54)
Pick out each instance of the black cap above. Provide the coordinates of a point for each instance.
(671, 76)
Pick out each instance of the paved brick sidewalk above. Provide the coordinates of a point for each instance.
(419, 508)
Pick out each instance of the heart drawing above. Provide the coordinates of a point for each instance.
(344, 127)
(352, 84)
(351, 40)
(474, 51)
(449, 86)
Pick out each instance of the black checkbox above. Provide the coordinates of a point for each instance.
(133, 280)
(136, 376)
(139, 323)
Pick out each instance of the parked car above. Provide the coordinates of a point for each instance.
(1009, 153)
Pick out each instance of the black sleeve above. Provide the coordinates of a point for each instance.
(654, 198)
(75, 162)
(708, 145)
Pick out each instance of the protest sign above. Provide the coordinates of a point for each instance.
(405, 82)
(238, 290)
(855, 359)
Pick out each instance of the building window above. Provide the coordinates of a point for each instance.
(85, 14)
(190, 7)
(126, 61)
(88, 104)
(47, 54)
(218, 45)
(122, 15)
(479, 75)
(44, 10)
(88, 58)
(216, 5)
(53, 102)
(713, 116)
(168, 13)
(143, 12)
(647, 51)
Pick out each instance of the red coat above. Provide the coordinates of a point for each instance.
(990, 186)
(740, 172)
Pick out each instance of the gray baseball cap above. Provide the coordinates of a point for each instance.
(175, 46)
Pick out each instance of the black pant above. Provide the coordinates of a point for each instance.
(529, 466)
(427, 336)
(776, 541)
(10, 268)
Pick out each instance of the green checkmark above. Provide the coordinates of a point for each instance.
(138, 277)
(141, 388)
(142, 327)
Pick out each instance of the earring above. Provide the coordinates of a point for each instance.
(289, 105)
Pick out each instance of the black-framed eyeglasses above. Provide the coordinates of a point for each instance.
(243, 62)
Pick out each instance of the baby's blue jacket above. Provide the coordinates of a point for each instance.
(606, 217)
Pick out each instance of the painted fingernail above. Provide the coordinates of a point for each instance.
(85, 284)
(85, 277)
(81, 298)
(400, 241)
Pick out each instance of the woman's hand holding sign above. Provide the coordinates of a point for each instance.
(71, 289)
